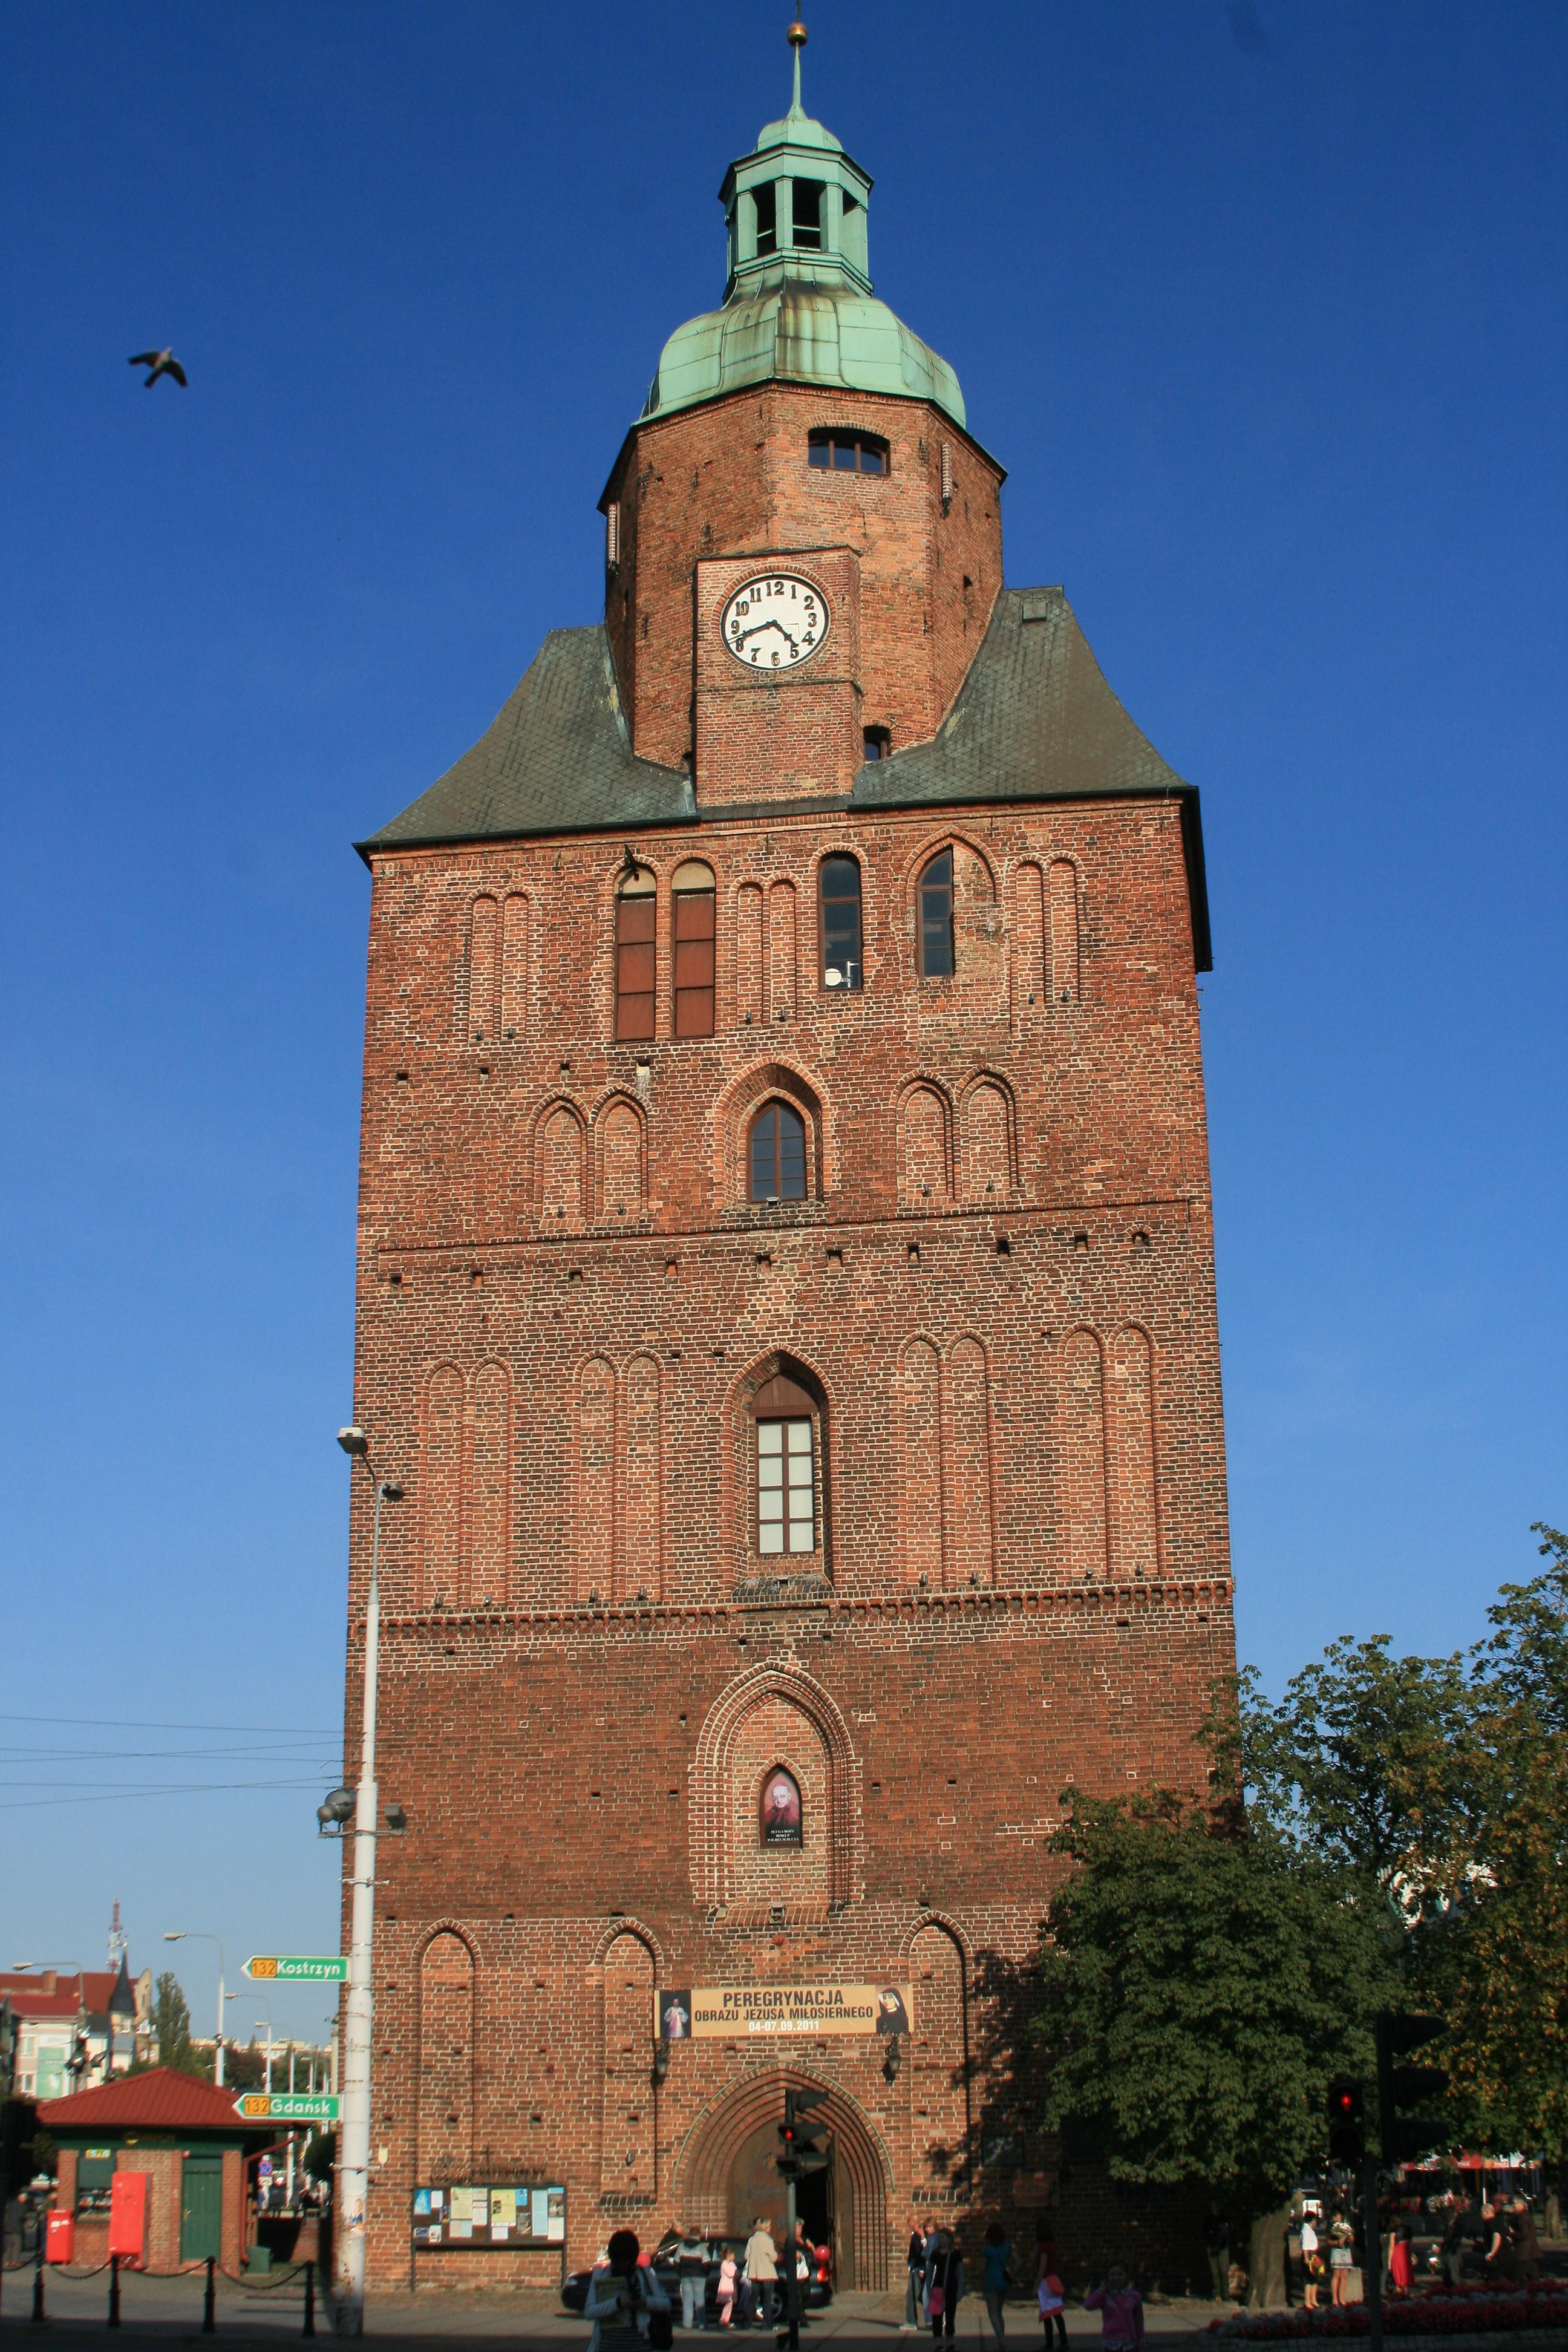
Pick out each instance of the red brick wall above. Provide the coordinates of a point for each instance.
(732, 478)
(998, 1297)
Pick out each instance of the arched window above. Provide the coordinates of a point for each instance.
(778, 1154)
(694, 929)
(840, 922)
(936, 918)
(778, 1808)
(635, 911)
(786, 1420)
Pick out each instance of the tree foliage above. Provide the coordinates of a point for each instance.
(1200, 1982)
(171, 2026)
(1391, 1833)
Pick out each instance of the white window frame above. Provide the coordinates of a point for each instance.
(785, 1530)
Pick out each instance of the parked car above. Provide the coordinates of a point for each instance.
(818, 2293)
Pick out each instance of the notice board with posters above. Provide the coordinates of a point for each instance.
(490, 2213)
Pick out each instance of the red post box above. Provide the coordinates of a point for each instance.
(128, 2216)
(59, 2236)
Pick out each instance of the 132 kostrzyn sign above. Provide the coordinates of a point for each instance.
(705, 2011)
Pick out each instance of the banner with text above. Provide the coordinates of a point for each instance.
(704, 2011)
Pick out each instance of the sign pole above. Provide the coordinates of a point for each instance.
(353, 2145)
(791, 2281)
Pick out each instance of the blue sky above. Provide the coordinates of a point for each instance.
(1261, 305)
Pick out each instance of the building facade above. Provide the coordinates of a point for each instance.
(787, 1299)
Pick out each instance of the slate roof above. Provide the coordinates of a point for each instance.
(558, 759)
(160, 2100)
(1034, 719)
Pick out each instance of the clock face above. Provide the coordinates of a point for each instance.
(774, 621)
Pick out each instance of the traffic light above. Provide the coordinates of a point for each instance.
(801, 2152)
(1347, 2123)
(1405, 2138)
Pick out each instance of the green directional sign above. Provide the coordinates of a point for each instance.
(298, 1967)
(286, 2108)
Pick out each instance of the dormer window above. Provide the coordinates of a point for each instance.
(766, 202)
(807, 214)
(847, 453)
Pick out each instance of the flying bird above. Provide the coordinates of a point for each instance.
(160, 363)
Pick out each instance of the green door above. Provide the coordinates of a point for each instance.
(201, 2208)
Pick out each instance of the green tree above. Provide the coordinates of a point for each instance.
(1499, 1960)
(1197, 1986)
(172, 2028)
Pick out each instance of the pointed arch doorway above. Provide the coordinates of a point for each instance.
(727, 2175)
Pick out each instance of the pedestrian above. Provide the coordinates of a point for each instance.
(729, 2271)
(1341, 2242)
(691, 2264)
(1497, 2263)
(1526, 2242)
(1312, 2261)
(1217, 2245)
(998, 2255)
(628, 2305)
(1401, 2262)
(1052, 2302)
(1121, 2309)
(763, 2270)
(914, 2292)
(944, 2285)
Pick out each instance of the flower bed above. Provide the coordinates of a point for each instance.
(1456, 2311)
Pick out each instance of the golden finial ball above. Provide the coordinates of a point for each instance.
(798, 35)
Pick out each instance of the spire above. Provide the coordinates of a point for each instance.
(797, 37)
(797, 301)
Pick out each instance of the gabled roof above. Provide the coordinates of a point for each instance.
(1034, 720)
(92, 1990)
(160, 2100)
(558, 759)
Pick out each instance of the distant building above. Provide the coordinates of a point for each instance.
(73, 2031)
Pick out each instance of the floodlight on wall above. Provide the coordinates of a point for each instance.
(338, 1810)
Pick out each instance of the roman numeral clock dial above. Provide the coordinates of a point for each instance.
(774, 621)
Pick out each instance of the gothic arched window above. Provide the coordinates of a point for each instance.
(635, 915)
(786, 1420)
(777, 1154)
(693, 897)
(936, 918)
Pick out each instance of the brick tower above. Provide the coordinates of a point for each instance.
(786, 1297)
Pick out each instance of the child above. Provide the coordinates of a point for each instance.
(1121, 2309)
(727, 2270)
(1048, 2295)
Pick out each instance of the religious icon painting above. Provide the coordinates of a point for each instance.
(781, 1808)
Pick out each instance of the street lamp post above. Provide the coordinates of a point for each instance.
(353, 2129)
(200, 1935)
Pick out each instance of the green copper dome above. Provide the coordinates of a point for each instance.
(798, 304)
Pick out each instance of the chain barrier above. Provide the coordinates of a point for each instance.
(282, 2279)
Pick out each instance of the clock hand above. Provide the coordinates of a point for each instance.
(758, 627)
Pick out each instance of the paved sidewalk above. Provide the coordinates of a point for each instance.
(170, 2310)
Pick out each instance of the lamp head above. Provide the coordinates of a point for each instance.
(391, 1493)
(353, 1439)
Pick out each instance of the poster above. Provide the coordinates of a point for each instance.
(779, 1808)
(486, 2213)
(706, 2011)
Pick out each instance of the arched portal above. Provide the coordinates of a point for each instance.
(725, 2175)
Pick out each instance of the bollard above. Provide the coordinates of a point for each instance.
(310, 2326)
(39, 2314)
(209, 2299)
(114, 2290)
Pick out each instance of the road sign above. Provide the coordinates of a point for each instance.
(286, 2108)
(297, 1968)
